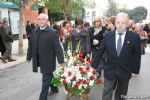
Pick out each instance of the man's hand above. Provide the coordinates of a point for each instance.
(134, 75)
(88, 55)
(62, 65)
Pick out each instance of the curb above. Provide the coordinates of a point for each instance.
(18, 61)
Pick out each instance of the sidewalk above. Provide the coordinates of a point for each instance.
(15, 55)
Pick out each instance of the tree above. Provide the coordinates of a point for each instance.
(138, 14)
(112, 9)
(124, 10)
(70, 8)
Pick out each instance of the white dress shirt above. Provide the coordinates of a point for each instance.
(122, 37)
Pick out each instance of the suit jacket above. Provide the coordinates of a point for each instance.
(6, 34)
(98, 36)
(120, 67)
(49, 49)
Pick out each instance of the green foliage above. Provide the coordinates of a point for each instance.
(138, 14)
(124, 10)
(56, 81)
(112, 9)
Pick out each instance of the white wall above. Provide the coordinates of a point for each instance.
(14, 21)
(100, 8)
(14, 18)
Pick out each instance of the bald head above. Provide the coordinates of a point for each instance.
(121, 22)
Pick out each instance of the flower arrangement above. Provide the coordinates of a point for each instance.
(143, 35)
(77, 75)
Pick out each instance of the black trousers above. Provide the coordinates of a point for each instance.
(120, 90)
(46, 78)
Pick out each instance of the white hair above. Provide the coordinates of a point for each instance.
(123, 14)
(43, 15)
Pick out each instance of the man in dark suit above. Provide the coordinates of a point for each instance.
(43, 49)
(123, 58)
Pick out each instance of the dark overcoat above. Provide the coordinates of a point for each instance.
(48, 46)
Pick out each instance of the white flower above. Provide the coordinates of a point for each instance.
(80, 86)
(91, 83)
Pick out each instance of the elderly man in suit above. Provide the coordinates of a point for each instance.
(123, 58)
(44, 47)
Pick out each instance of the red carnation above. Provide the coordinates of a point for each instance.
(94, 72)
(81, 59)
(69, 73)
(89, 61)
(81, 54)
(74, 63)
(84, 81)
(91, 77)
(98, 81)
(80, 68)
(64, 81)
(79, 82)
(75, 54)
(74, 78)
(87, 68)
(75, 86)
(83, 72)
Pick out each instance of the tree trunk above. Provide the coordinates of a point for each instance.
(21, 27)
(65, 9)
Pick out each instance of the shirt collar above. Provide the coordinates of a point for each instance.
(120, 32)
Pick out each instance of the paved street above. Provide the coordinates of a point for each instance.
(20, 83)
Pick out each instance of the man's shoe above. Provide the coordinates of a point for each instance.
(10, 60)
(52, 93)
(3, 60)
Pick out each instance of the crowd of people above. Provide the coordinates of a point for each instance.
(115, 46)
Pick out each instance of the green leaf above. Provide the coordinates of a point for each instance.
(56, 81)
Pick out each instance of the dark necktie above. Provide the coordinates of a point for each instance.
(119, 44)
